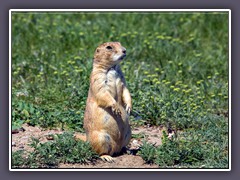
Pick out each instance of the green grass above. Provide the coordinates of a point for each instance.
(64, 149)
(205, 147)
(176, 70)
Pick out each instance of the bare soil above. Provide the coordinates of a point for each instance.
(21, 139)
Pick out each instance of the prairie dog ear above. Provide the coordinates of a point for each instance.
(97, 50)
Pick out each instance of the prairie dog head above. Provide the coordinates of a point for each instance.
(109, 54)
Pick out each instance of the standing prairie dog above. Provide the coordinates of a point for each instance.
(106, 118)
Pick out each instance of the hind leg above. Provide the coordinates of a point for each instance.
(107, 158)
(103, 144)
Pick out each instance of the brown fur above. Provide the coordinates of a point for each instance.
(106, 118)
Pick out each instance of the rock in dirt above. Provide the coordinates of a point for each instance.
(50, 137)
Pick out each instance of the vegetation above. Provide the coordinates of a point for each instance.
(176, 70)
(64, 149)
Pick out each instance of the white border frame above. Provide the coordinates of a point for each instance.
(119, 10)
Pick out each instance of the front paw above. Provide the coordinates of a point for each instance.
(116, 109)
(128, 109)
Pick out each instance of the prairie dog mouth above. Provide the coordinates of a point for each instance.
(122, 57)
(118, 57)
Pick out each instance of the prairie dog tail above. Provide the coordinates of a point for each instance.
(79, 136)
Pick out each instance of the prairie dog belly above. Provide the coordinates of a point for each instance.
(114, 84)
(117, 126)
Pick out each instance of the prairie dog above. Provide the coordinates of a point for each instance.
(106, 118)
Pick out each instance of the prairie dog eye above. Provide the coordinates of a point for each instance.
(109, 47)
